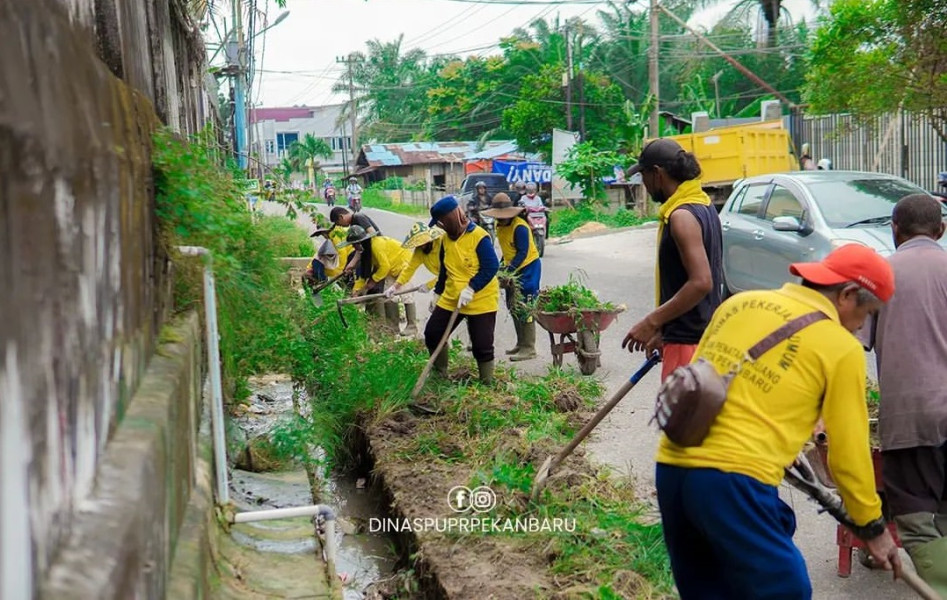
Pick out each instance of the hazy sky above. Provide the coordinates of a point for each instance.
(297, 58)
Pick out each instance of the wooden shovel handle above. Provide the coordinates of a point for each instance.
(440, 346)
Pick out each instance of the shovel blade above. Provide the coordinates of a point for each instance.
(542, 476)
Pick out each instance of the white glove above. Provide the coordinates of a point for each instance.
(433, 303)
(392, 290)
(465, 297)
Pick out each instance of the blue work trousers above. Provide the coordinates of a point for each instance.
(729, 537)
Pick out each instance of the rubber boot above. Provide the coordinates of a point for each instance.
(930, 562)
(440, 363)
(375, 309)
(528, 344)
(392, 318)
(411, 316)
(518, 326)
(486, 372)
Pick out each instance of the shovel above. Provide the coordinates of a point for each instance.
(553, 462)
(430, 361)
(368, 297)
(801, 476)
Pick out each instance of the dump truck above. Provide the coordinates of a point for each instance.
(728, 154)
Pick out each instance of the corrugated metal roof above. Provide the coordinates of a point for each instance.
(419, 153)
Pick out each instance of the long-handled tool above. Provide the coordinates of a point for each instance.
(553, 462)
(802, 476)
(440, 347)
(316, 290)
(368, 297)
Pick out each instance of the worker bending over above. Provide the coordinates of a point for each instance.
(425, 245)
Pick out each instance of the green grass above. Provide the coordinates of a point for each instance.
(567, 220)
(376, 199)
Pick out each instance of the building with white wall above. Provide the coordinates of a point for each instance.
(273, 130)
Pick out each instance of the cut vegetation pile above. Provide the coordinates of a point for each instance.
(495, 437)
(569, 297)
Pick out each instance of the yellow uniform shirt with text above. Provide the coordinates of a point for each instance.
(388, 258)
(431, 261)
(774, 403)
(505, 236)
(461, 263)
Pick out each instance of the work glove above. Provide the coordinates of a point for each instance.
(465, 297)
(423, 289)
(392, 290)
(433, 303)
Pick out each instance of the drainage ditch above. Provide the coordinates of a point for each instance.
(373, 566)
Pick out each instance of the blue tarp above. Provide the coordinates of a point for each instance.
(523, 171)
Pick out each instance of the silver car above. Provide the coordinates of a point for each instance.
(770, 221)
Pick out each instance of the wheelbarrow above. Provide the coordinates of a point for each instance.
(844, 538)
(579, 331)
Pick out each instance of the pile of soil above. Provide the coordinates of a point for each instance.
(587, 228)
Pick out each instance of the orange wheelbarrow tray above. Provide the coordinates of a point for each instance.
(579, 332)
(844, 538)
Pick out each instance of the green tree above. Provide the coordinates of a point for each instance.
(771, 12)
(874, 56)
(310, 148)
(585, 165)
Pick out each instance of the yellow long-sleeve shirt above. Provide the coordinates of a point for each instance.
(773, 405)
(431, 261)
(388, 258)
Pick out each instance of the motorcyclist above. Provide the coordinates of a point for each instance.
(328, 192)
(353, 191)
(517, 191)
(531, 200)
(481, 200)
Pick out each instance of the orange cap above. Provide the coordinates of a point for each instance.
(851, 262)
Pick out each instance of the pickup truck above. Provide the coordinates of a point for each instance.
(496, 182)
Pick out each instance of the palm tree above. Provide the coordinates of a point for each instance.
(308, 152)
(772, 11)
(285, 169)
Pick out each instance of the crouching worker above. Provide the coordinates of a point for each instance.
(381, 260)
(728, 533)
(521, 260)
(467, 279)
(425, 245)
(329, 261)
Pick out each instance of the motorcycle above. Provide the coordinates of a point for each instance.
(355, 203)
(537, 219)
(486, 222)
(330, 196)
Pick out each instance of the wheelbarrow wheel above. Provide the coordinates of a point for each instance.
(587, 343)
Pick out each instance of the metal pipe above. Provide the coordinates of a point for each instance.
(213, 368)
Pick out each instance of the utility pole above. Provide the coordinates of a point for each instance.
(568, 80)
(240, 90)
(349, 61)
(653, 77)
(581, 78)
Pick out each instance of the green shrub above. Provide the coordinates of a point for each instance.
(566, 220)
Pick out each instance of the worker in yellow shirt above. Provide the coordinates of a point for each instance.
(329, 261)
(381, 261)
(521, 260)
(727, 532)
(425, 245)
(467, 279)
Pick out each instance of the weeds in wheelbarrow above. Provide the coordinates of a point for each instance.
(569, 296)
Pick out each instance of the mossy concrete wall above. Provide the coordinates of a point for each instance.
(124, 535)
(83, 85)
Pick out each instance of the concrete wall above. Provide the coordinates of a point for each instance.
(83, 282)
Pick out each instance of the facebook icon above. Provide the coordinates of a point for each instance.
(459, 498)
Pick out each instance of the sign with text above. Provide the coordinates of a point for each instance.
(523, 171)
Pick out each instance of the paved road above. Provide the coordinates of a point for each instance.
(620, 267)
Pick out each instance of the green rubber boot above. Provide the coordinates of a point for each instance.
(440, 363)
(392, 318)
(486, 372)
(930, 562)
(528, 343)
(519, 337)
(411, 316)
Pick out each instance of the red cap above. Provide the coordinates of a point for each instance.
(851, 262)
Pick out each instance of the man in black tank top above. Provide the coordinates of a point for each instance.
(689, 270)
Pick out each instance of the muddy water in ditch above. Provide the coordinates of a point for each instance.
(362, 558)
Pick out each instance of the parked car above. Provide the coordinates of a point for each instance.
(770, 221)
